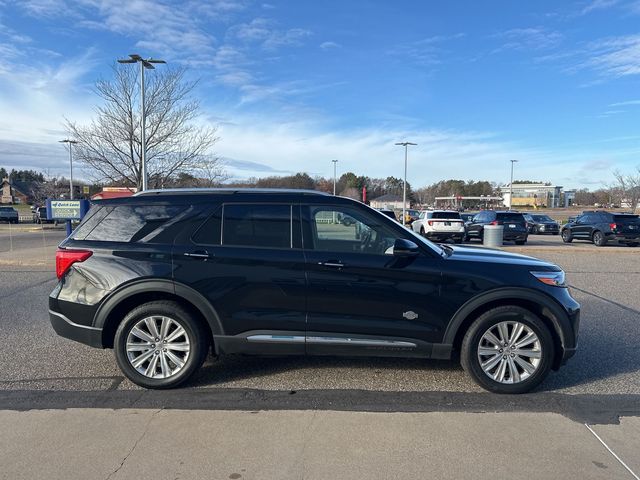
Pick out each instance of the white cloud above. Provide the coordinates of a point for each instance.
(533, 38)
(329, 45)
(625, 103)
(264, 32)
(615, 57)
(598, 5)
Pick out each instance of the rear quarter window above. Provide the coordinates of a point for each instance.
(127, 223)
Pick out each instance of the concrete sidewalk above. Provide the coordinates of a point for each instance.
(170, 444)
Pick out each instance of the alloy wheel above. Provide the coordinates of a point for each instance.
(509, 352)
(158, 346)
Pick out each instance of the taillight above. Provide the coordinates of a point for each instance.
(66, 258)
(613, 226)
(430, 222)
(495, 222)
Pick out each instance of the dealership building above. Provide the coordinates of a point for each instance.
(537, 195)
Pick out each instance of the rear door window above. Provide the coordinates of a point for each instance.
(257, 225)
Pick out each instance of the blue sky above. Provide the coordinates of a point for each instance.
(294, 84)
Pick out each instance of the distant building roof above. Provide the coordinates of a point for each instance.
(113, 192)
(389, 197)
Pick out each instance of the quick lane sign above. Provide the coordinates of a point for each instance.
(66, 209)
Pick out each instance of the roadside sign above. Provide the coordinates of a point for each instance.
(66, 209)
(85, 189)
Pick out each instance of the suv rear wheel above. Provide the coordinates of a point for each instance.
(566, 236)
(598, 239)
(507, 350)
(160, 345)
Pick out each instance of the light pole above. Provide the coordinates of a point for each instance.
(70, 143)
(335, 162)
(404, 185)
(144, 63)
(511, 185)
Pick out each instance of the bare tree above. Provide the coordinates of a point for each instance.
(110, 146)
(629, 187)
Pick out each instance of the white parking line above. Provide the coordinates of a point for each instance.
(612, 452)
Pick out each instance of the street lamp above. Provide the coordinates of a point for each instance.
(404, 186)
(144, 63)
(335, 162)
(70, 143)
(511, 184)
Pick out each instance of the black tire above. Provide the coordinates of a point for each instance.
(520, 242)
(196, 334)
(566, 236)
(535, 230)
(422, 231)
(598, 239)
(633, 244)
(469, 350)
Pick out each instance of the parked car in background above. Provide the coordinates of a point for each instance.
(515, 226)
(184, 273)
(440, 225)
(9, 215)
(40, 215)
(411, 215)
(601, 227)
(389, 213)
(541, 224)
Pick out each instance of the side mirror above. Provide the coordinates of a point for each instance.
(405, 248)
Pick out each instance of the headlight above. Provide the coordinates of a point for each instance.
(555, 279)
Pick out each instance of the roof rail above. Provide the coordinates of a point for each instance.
(224, 191)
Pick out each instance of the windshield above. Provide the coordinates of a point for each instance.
(542, 218)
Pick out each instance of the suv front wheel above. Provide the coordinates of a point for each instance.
(160, 345)
(507, 350)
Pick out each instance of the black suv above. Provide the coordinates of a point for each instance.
(515, 226)
(601, 227)
(165, 276)
(541, 224)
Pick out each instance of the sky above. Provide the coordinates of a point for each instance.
(292, 85)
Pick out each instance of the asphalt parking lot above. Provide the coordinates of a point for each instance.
(601, 384)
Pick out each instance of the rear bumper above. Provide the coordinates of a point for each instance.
(64, 327)
(444, 235)
(514, 236)
(624, 238)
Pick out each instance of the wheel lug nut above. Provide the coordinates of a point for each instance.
(164, 349)
(513, 355)
(500, 350)
(157, 352)
(157, 339)
(153, 346)
(504, 357)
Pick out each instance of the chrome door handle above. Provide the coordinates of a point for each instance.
(197, 255)
(331, 264)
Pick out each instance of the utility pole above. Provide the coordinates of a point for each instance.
(511, 185)
(404, 185)
(335, 162)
